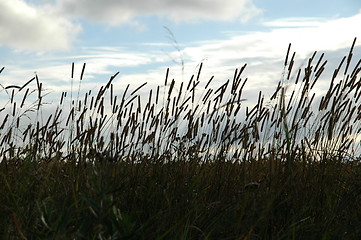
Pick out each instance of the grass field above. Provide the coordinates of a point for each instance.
(182, 164)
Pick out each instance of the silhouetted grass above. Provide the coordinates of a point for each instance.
(178, 164)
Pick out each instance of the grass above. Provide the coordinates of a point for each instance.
(179, 164)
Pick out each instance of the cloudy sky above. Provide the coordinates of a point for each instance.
(140, 39)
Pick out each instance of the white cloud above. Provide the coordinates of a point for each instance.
(116, 12)
(49, 25)
(322, 33)
(27, 27)
(305, 36)
(264, 52)
(270, 46)
(101, 63)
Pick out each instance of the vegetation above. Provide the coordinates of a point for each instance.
(178, 164)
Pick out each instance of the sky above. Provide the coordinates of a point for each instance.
(141, 39)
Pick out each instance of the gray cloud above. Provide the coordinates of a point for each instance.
(49, 25)
(115, 12)
(27, 27)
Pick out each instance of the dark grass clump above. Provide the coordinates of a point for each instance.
(178, 164)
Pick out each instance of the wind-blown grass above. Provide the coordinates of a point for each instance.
(179, 164)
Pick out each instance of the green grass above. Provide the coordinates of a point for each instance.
(179, 164)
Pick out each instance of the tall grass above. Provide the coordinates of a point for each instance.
(182, 164)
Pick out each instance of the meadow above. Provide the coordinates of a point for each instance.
(186, 160)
